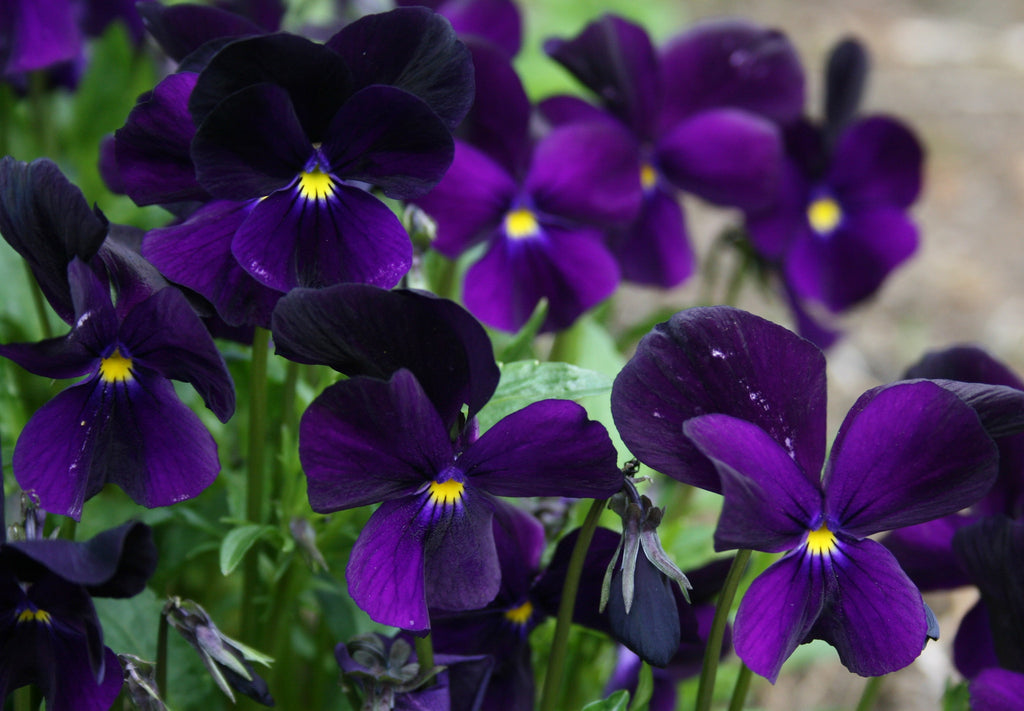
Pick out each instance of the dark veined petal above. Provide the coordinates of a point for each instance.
(250, 144)
(778, 611)
(316, 79)
(906, 453)
(342, 234)
(770, 503)
(845, 267)
(62, 357)
(391, 139)
(152, 148)
(95, 318)
(135, 434)
(181, 29)
(997, 690)
(365, 440)
(549, 448)
(967, 363)
(723, 360)
(48, 222)
(571, 268)
(197, 254)
(726, 156)
(655, 249)
(873, 614)
(877, 162)
(413, 49)
(614, 58)
(731, 63)
(115, 563)
(164, 334)
(363, 330)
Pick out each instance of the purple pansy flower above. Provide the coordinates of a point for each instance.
(386, 438)
(700, 111)
(839, 225)
(277, 135)
(906, 453)
(540, 207)
(50, 635)
(496, 21)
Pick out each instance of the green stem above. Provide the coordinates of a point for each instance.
(870, 694)
(254, 498)
(161, 658)
(23, 699)
(560, 642)
(706, 687)
(40, 110)
(38, 302)
(735, 284)
(424, 651)
(739, 691)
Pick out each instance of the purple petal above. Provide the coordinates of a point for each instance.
(726, 156)
(95, 318)
(719, 360)
(348, 236)
(973, 647)
(362, 330)
(391, 139)
(181, 29)
(778, 611)
(496, 21)
(770, 503)
(152, 148)
(997, 690)
(473, 196)
(967, 363)
(925, 552)
(849, 265)
(413, 49)
(905, 454)
(562, 109)
(877, 162)
(731, 63)
(866, 593)
(197, 254)
(365, 440)
(614, 58)
(78, 689)
(773, 229)
(251, 144)
(655, 250)
(165, 334)
(548, 448)
(38, 35)
(519, 541)
(587, 172)
(63, 357)
(572, 269)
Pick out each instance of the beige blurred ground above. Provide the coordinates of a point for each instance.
(955, 71)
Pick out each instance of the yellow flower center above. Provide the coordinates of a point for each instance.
(34, 616)
(521, 223)
(648, 176)
(115, 368)
(446, 492)
(316, 185)
(824, 214)
(520, 615)
(821, 541)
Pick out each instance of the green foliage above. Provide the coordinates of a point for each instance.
(619, 701)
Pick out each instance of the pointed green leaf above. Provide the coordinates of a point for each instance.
(237, 543)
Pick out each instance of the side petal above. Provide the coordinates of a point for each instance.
(724, 360)
(906, 453)
(548, 448)
(877, 161)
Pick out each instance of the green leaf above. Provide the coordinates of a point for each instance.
(618, 701)
(956, 698)
(238, 542)
(526, 382)
(644, 689)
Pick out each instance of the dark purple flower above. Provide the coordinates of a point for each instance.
(997, 690)
(50, 635)
(700, 111)
(183, 28)
(496, 21)
(839, 225)
(539, 207)
(124, 423)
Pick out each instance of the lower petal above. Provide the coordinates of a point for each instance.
(655, 250)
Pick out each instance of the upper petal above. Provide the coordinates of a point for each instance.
(723, 360)
(877, 161)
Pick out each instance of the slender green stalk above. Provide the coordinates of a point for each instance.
(255, 500)
(161, 658)
(40, 108)
(291, 383)
(560, 642)
(739, 691)
(706, 686)
(424, 651)
(23, 699)
(38, 302)
(870, 694)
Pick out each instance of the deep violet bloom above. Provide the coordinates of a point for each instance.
(906, 453)
(839, 225)
(700, 111)
(279, 139)
(50, 635)
(385, 437)
(540, 207)
(183, 28)
(496, 21)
